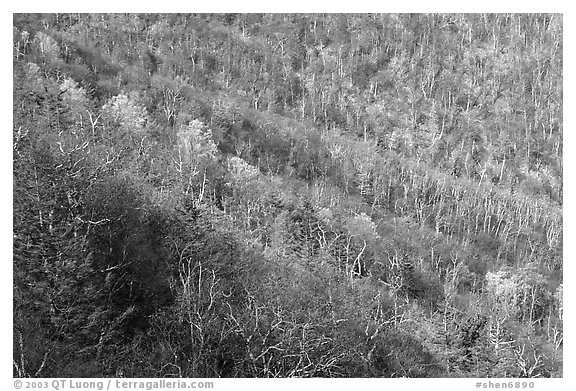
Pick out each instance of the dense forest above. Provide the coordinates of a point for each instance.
(248, 195)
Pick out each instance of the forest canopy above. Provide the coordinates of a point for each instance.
(287, 195)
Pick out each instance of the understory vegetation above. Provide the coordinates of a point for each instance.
(247, 195)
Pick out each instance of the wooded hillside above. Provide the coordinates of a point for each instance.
(245, 195)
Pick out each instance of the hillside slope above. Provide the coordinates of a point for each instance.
(287, 195)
